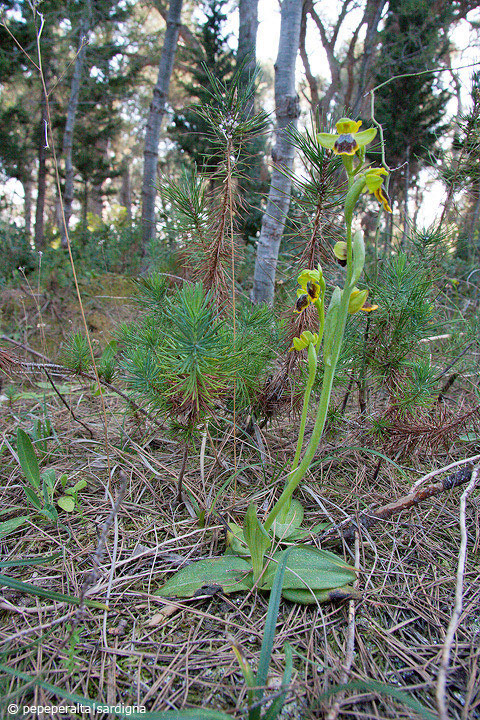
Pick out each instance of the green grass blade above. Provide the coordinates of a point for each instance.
(269, 632)
(383, 689)
(49, 594)
(31, 561)
(277, 704)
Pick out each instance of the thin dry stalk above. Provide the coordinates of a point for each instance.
(350, 641)
(457, 610)
(93, 576)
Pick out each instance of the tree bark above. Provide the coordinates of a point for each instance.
(85, 25)
(27, 204)
(125, 198)
(155, 116)
(247, 36)
(287, 111)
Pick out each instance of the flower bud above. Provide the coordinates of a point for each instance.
(340, 252)
(358, 247)
(357, 300)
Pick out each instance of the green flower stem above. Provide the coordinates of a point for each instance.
(299, 473)
(312, 372)
(349, 247)
(320, 305)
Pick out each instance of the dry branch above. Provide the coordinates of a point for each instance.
(349, 526)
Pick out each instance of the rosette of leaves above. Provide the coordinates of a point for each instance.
(252, 558)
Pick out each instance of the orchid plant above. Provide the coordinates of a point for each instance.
(312, 575)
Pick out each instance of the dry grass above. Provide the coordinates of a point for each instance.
(165, 654)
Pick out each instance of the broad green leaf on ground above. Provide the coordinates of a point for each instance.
(236, 541)
(28, 459)
(308, 567)
(229, 572)
(67, 503)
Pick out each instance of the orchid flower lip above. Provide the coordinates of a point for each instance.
(311, 283)
(348, 140)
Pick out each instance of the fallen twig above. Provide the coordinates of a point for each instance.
(347, 528)
(59, 394)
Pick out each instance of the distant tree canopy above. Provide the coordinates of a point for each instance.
(411, 105)
(395, 45)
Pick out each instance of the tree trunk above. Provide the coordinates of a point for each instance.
(155, 116)
(39, 238)
(287, 111)
(373, 13)
(27, 204)
(247, 36)
(125, 197)
(311, 80)
(85, 25)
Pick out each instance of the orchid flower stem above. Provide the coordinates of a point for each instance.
(298, 472)
(312, 372)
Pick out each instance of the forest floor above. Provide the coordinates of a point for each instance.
(164, 654)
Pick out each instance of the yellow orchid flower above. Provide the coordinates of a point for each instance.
(358, 301)
(347, 140)
(374, 181)
(311, 286)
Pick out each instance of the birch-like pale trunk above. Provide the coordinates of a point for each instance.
(67, 149)
(287, 110)
(155, 117)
